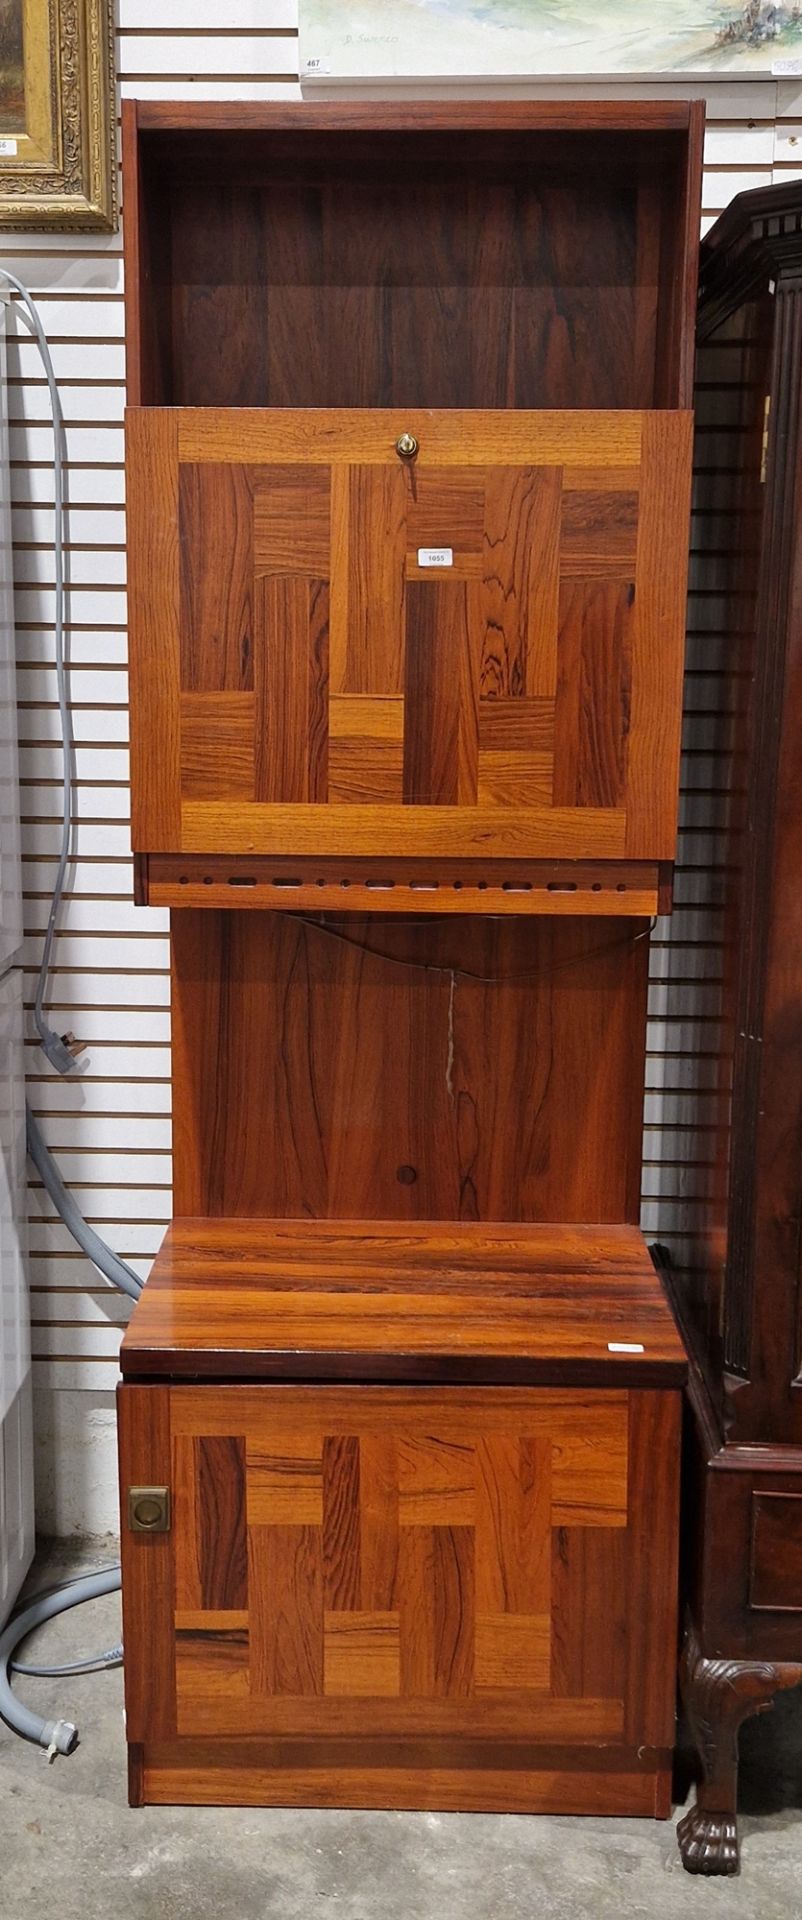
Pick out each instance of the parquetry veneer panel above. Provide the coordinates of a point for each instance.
(339, 693)
(408, 1566)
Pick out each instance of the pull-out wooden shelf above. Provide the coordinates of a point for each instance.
(340, 1300)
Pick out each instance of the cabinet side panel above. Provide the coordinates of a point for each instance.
(143, 1417)
(147, 252)
(656, 694)
(132, 242)
(652, 1574)
(151, 444)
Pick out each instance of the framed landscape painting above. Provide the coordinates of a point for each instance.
(520, 39)
(57, 125)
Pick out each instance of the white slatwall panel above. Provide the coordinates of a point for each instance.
(111, 1122)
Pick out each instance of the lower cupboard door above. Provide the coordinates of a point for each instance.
(435, 1589)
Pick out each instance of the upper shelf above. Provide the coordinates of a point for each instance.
(326, 1300)
(462, 254)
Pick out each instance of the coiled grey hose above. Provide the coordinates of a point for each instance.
(57, 1736)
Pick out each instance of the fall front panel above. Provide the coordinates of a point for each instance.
(336, 650)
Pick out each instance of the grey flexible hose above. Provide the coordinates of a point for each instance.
(56, 1049)
(56, 1736)
(96, 1663)
(107, 1262)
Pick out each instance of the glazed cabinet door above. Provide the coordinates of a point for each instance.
(371, 1593)
(471, 649)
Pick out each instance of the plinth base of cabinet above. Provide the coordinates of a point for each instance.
(415, 1778)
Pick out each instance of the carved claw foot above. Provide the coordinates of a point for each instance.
(708, 1842)
(718, 1695)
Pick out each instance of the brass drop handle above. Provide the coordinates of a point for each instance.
(407, 446)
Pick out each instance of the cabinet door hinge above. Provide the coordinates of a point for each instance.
(149, 1509)
(764, 445)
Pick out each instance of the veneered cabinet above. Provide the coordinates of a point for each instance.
(408, 459)
(342, 650)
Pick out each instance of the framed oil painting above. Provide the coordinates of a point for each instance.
(57, 120)
(522, 39)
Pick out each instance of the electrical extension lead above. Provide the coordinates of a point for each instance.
(62, 1051)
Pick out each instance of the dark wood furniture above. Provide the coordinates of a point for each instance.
(408, 480)
(735, 1263)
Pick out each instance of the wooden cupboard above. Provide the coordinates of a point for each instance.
(408, 459)
(398, 1572)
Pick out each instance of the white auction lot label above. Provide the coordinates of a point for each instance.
(435, 556)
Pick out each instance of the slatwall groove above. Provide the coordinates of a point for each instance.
(111, 1123)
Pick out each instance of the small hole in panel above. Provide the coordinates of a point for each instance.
(561, 886)
(423, 886)
(380, 886)
(183, 880)
(240, 880)
(208, 879)
(287, 883)
(596, 887)
(622, 886)
(516, 886)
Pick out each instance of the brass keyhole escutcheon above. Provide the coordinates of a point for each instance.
(407, 446)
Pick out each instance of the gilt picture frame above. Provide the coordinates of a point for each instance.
(58, 163)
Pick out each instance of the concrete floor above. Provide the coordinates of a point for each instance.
(70, 1845)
